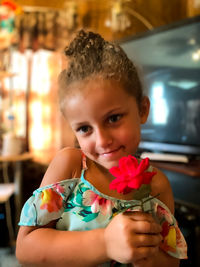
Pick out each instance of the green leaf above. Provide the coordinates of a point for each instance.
(143, 192)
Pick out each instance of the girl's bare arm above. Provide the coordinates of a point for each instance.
(49, 247)
(46, 246)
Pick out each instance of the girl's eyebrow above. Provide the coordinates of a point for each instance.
(114, 110)
(79, 124)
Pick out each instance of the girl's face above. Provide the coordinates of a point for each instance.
(106, 120)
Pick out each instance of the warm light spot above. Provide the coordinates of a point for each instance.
(196, 55)
(160, 111)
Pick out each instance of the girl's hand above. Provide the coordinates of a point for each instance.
(131, 237)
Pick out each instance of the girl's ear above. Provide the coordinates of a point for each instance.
(144, 109)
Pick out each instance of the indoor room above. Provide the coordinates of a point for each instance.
(162, 39)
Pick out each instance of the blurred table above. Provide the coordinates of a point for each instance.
(17, 178)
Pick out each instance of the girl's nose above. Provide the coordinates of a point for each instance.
(103, 138)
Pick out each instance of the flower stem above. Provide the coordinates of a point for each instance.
(139, 205)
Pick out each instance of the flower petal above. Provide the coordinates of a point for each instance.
(121, 187)
(144, 164)
(134, 162)
(136, 182)
(132, 166)
(115, 171)
(130, 174)
(128, 165)
(147, 177)
(123, 164)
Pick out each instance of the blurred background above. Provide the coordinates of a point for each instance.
(33, 35)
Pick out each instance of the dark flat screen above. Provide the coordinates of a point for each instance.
(169, 59)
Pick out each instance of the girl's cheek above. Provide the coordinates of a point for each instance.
(83, 144)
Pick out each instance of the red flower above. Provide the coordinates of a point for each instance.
(130, 175)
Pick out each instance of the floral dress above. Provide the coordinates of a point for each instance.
(78, 206)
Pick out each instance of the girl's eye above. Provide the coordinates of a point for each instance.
(83, 129)
(114, 118)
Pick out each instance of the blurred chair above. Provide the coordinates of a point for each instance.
(7, 189)
(11, 185)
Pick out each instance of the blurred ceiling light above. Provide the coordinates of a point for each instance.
(196, 55)
(192, 41)
(120, 18)
(71, 10)
(196, 3)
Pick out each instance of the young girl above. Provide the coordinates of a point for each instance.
(74, 218)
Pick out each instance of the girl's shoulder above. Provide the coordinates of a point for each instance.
(160, 186)
(66, 164)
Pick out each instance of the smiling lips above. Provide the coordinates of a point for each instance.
(110, 153)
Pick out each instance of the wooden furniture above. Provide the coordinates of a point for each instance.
(6, 191)
(8, 188)
(192, 168)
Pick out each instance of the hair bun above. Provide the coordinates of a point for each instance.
(83, 43)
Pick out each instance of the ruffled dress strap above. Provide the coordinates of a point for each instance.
(84, 162)
(47, 203)
(173, 241)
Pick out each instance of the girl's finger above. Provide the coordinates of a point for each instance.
(139, 216)
(144, 252)
(147, 240)
(146, 227)
(143, 223)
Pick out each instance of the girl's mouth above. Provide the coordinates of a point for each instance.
(111, 153)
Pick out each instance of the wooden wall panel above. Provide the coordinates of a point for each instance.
(93, 13)
(193, 8)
